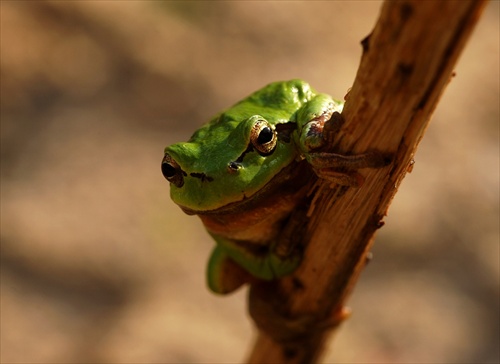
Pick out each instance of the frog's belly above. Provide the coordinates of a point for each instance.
(259, 219)
(258, 225)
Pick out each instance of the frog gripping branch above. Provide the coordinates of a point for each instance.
(245, 173)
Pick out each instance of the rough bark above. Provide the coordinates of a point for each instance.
(406, 64)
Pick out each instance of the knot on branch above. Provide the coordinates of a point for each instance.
(269, 310)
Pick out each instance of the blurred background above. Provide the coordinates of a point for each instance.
(99, 266)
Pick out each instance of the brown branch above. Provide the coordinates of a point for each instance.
(406, 64)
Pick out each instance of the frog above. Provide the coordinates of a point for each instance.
(246, 173)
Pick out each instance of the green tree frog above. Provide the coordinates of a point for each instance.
(245, 171)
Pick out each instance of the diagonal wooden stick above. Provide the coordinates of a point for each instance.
(407, 62)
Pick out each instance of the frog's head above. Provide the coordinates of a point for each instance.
(239, 151)
(225, 161)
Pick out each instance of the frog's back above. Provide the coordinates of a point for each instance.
(277, 102)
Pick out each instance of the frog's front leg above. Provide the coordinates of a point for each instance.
(337, 168)
(233, 264)
(343, 169)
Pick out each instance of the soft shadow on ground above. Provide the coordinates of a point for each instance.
(98, 265)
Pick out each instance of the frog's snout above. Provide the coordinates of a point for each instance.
(172, 171)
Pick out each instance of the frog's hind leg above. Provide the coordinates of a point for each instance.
(223, 274)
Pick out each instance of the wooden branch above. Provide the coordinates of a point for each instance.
(407, 62)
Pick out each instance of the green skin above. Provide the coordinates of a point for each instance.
(242, 174)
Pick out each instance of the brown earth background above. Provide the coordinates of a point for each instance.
(99, 266)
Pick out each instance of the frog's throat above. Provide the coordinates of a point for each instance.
(286, 182)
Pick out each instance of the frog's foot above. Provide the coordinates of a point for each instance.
(349, 162)
(224, 275)
(342, 169)
(345, 178)
(336, 168)
(332, 126)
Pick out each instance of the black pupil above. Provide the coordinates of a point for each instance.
(167, 170)
(265, 135)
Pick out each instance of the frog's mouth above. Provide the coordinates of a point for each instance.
(286, 183)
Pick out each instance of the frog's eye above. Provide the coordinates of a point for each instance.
(172, 171)
(263, 137)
